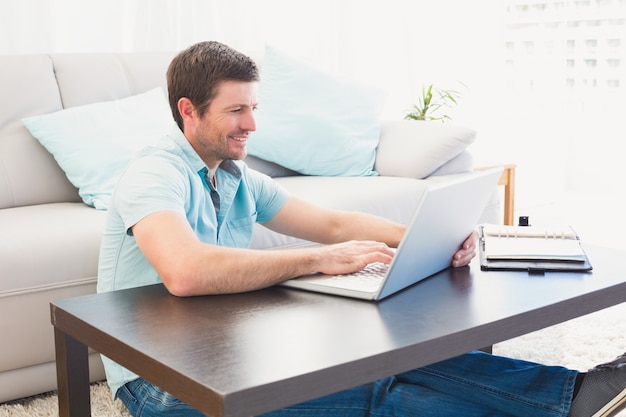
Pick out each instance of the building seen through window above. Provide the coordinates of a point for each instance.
(572, 43)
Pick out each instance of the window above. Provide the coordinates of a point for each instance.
(613, 63)
(616, 22)
(591, 43)
(591, 63)
(529, 46)
(614, 43)
(548, 45)
(589, 82)
(612, 83)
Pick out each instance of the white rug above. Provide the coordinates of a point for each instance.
(579, 344)
(46, 405)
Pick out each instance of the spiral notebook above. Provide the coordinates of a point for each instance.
(532, 248)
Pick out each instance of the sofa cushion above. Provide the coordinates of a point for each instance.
(416, 149)
(49, 245)
(271, 169)
(111, 76)
(94, 143)
(28, 173)
(314, 123)
(49, 252)
(463, 162)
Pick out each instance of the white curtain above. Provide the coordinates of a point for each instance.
(398, 45)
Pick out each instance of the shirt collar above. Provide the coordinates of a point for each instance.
(196, 163)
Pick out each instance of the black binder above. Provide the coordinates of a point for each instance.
(531, 262)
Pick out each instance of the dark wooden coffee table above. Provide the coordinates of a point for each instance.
(245, 354)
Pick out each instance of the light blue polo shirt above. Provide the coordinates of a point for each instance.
(170, 176)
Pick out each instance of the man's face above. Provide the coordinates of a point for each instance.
(222, 133)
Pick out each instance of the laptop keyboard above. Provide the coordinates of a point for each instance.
(367, 279)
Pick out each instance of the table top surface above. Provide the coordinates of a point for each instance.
(250, 353)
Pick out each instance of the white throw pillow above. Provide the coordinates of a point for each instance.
(315, 123)
(94, 143)
(425, 147)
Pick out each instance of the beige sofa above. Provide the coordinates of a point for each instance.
(49, 238)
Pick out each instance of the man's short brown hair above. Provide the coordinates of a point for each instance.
(198, 71)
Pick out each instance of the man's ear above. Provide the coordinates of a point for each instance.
(186, 109)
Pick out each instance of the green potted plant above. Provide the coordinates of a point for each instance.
(431, 103)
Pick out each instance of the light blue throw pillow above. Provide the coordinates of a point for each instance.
(315, 123)
(94, 143)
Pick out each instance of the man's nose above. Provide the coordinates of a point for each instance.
(248, 122)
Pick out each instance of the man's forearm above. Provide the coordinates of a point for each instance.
(231, 270)
(363, 226)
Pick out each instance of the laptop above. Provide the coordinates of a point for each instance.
(447, 213)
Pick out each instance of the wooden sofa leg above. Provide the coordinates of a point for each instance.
(507, 179)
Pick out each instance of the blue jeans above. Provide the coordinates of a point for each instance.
(474, 384)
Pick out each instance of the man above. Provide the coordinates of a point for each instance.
(183, 212)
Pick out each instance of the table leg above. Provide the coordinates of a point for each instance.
(487, 349)
(72, 376)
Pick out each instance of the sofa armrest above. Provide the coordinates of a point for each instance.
(416, 149)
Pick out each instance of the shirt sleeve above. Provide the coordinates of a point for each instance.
(268, 194)
(150, 185)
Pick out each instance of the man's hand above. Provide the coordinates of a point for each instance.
(344, 258)
(348, 257)
(467, 252)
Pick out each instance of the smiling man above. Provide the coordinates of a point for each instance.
(183, 214)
